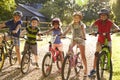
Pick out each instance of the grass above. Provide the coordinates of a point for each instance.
(116, 57)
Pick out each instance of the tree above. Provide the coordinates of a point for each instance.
(115, 5)
(6, 9)
(59, 8)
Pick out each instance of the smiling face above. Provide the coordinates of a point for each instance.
(16, 18)
(76, 19)
(103, 17)
(34, 23)
(56, 25)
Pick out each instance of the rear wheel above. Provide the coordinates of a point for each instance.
(103, 70)
(66, 68)
(12, 57)
(2, 58)
(25, 62)
(46, 64)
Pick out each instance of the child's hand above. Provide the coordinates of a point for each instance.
(14, 31)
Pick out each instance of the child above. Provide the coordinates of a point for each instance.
(78, 36)
(14, 27)
(31, 32)
(103, 24)
(56, 31)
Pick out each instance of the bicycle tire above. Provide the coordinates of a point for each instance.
(2, 58)
(66, 61)
(58, 62)
(25, 62)
(101, 63)
(12, 57)
(46, 67)
(78, 64)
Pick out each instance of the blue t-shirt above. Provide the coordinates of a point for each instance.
(12, 26)
(57, 32)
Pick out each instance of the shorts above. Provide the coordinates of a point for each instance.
(79, 41)
(99, 46)
(16, 41)
(59, 46)
(32, 47)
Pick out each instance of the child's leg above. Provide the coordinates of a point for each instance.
(18, 54)
(82, 50)
(70, 50)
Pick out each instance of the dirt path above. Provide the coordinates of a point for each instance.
(12, 73)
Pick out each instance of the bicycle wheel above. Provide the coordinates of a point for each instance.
(46, 64)
(66, 68)
(103, 71)
(59, 65)
(2, 58)
(25, 62)
(78, 64)
(12, 57)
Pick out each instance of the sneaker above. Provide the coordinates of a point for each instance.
(92, 72)
(18, 66)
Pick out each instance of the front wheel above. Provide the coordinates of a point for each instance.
(12, 57)
(2, 58)
(104, 71)
(59, 61)
(66, 68)
(47, 64)
(25, 62)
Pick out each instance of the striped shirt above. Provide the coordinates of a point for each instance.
(31, 34)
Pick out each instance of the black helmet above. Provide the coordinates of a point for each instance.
(17, 13)
(104, 11)
(56, 20)
(35, 18)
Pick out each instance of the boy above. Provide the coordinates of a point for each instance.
(14, 26)
(104, 25)
(31, 32)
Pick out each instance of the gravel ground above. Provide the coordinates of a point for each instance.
(13, 73)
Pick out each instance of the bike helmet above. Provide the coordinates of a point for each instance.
(78, 13)
(35, 18)
(56, 20)
(104, 11)
(17, 13)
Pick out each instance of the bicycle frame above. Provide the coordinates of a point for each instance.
(54, 52)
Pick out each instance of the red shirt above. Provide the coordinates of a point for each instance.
(103, 27)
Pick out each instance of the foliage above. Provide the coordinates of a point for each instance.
(6, 9)
(115, 5)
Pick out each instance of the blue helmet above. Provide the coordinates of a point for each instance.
(104, 11)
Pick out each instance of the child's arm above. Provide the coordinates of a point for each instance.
(48, 31)
(67, 30)
(23, 32)
(17, 29)
(2, 25)
(84, 31)
(115, 27)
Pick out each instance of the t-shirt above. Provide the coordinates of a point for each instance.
(31, 34)
(12, 26)
(77, 30)
(57, 39)
(103, 28)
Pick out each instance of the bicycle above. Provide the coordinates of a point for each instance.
(71, 60)
(52, 56)
(7, 49)
(104, 66)
(26, 58)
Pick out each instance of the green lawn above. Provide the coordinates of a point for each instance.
(116, 57)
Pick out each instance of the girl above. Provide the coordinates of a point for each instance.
(78, 36)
